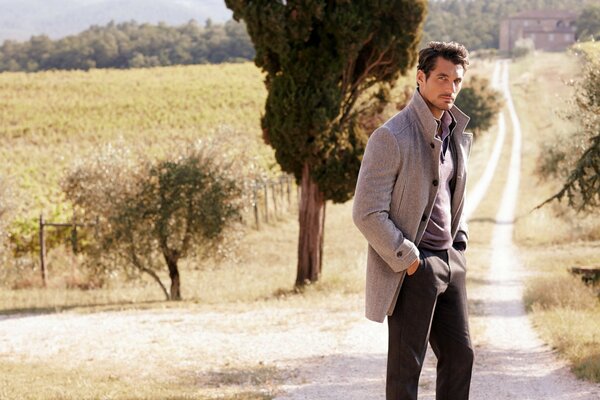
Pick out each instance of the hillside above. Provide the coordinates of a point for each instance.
(21, 19)
(50, 119)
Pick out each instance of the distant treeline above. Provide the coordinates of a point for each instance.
(476, 23)
(131, 45)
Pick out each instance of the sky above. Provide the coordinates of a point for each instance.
(20, 19)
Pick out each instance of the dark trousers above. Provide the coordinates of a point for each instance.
(431, 306)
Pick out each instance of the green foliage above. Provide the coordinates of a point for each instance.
(130, 45)
(320, 58)
(588, 23)
(476, 23)
(49, 118)
(523, 47)
(480, 102)
(578, 160)
(153, 214)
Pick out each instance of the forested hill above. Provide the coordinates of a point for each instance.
(131, 45)
(21, 19)
(476, 23)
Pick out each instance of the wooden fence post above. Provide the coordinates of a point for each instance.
(43, 250)
(74, 236)
(289, 195)
(274, 194)
(266, 201)
(255, 203)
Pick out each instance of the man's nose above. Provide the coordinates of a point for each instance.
(454, 87)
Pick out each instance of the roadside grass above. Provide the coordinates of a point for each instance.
(565, 311)
(259, 273)
(554, 238)
(481, 224)
(262, 267)
(52, 381)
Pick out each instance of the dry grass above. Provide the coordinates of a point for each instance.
(262, 267)
(51, 381)
(259, 274)
(554, 238)
(540, 94)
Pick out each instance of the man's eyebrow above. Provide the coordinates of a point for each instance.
(442, 74)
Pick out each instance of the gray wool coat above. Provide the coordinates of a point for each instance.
(396, 189)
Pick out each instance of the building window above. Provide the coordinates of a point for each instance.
(568, 37)
(525, 23)
(551, 37)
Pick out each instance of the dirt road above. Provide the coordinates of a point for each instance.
(332, 354)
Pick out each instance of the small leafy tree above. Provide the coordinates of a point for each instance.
(588, 23)
(578, 161)
(324, 62)
(523, 47)
(154, 214)
(480, 102)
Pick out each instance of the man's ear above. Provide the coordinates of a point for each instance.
(420, 76)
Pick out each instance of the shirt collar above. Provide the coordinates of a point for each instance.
(447, 123)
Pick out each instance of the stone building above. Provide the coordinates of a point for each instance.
(549, 30)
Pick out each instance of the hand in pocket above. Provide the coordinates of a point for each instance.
(414, 266)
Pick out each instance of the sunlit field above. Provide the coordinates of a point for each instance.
(48, 119)
(60, 116)
(554, 239)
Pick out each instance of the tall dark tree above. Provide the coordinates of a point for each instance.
(579, 161)
(481, 103)
(588, 23)
(325, 62)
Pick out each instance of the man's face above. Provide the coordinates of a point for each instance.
(442, 86)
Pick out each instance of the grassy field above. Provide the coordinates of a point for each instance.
(130, 106)
(48, 120)
(265, 258)
(555, 238)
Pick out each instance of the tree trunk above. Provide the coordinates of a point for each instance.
(312, 222)
(174, 275)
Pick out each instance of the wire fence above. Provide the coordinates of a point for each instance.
(271, 199)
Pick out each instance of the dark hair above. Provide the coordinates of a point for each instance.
(451, 51)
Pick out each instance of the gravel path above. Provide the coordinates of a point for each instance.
(334, 354)
(514, 363)
(511, 363)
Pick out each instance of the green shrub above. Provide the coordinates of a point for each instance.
(576, 160)
(523, 47)
(480, 102)
(588, 23)
(152, 214)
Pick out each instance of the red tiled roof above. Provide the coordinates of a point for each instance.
(556, 31)
(545, 14)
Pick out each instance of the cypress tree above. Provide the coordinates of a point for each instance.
(325, 61)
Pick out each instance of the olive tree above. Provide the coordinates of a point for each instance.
(480, 102)
(325, 61)
(152, 214)
(577, 161)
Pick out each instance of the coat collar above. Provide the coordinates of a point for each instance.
(419, 107)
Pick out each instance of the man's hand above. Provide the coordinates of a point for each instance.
(413, 267)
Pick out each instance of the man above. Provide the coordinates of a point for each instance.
(409, 205)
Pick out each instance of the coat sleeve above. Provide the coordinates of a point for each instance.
(462, 234)
(372, 200)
